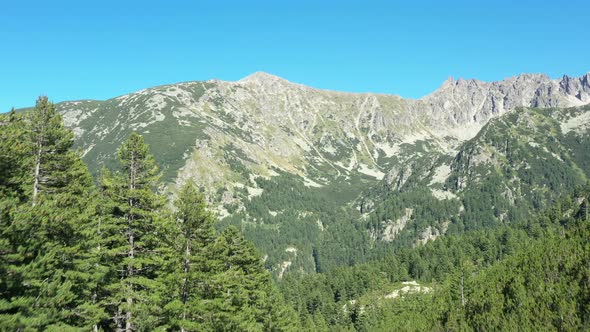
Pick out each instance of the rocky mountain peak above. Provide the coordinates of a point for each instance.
(464, 102)
(531, 78)
(577, 87)
(261, 78)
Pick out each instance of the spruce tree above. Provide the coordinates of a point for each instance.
(48, 145)
(189, 265)
(12, 154)
(131, 234)
(41, 232)
(241, 295)
(11, 132)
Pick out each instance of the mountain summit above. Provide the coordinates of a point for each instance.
(261, 76)
(290, 126)
(261, 142)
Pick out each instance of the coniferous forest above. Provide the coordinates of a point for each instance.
(114, 253)
(113, 256)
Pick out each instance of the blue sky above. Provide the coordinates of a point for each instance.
(101, 49)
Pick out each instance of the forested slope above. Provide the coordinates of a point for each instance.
(318, 179)
(79, 257)
(530, 275)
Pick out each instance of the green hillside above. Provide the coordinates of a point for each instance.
(489, 235)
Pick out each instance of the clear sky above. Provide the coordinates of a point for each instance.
(101, 49)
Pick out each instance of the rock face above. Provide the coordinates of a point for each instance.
(227, 133)
(393, 228)
(464, 102)
(282, 125)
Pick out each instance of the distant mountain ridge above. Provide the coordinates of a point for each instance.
(231, 137)
(291, 127)
(458, 109)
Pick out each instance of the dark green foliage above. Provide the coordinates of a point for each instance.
(73, 257)
(46, 192)
(12, 154)
(531, 275)
(131, 216)
(217, 283)
(189, 262)
(240, 296)
(300, 214)
(52, 167)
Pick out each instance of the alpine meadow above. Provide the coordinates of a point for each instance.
(218, 166)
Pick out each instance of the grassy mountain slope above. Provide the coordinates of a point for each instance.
(517, 164)
(321, 179)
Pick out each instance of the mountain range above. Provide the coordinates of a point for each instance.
(323, 178)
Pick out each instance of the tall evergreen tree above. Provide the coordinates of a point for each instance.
(241, 295)
(12, 154)
(41, 233)
(49, 144)
(132, 232)
(189, 266)
(11, 158)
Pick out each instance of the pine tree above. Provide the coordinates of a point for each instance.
(11, 133)
(12, 154)
(189, 265)
(49, 144)
(131, 233)
(91, 265)
(51, 188)
(217, 283)
(241, 295)
(456, 299)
